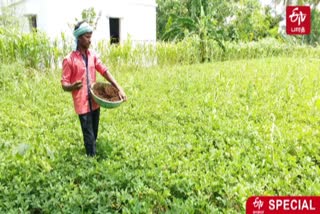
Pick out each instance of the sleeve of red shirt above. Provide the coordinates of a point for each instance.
(100, 67)
(66, 73)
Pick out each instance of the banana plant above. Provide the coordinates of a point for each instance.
(200, 24)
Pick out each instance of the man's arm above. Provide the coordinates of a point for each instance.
(102, 69)
(107, 75)
(70, 87)
(66, 76)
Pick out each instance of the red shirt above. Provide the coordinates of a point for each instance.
(74, 69)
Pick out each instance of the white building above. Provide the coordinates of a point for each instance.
(119, 19)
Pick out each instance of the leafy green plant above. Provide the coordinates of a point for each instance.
(200, 24)
(191, 138)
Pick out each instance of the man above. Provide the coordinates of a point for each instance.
(78, 73)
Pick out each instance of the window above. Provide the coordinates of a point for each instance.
(32, 22)
(114, 30)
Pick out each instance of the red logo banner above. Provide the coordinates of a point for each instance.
(283, 205)
(298, 20)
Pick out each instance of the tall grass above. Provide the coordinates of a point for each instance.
(188, 52)
(36, 50)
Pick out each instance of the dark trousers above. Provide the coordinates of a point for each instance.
(89, 125)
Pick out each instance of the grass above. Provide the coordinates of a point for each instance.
(191, 139)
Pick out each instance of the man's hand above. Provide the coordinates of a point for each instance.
(122, 95)
(77, 85)
(71, 87)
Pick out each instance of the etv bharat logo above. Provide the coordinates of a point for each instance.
(258, 204)
(298, 20)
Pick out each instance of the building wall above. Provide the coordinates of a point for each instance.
(137, 17)
(142, 22)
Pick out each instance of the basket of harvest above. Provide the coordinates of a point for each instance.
(106, 95)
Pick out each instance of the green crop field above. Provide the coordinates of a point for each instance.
(190, 139)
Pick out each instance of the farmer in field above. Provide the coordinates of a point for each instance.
(78, 73)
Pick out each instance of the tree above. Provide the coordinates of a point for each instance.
(164, 11)
(196, 21)
(90, 16)
(251, 22)
(314, 37)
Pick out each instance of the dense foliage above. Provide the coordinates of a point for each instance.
(244, 21)
(190, 139)
(224, 20)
